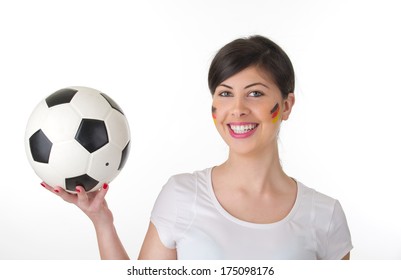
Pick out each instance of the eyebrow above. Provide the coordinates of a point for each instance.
(248, 86)
(256, 84)
(224, 85)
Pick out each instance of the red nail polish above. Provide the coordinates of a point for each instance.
(43, 185)
(57, 191)
(105, 186)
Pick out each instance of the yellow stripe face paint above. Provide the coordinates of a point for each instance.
(214, 114)
(275, 113)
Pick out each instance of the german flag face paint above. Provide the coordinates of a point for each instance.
(275, 112)
(214, 114)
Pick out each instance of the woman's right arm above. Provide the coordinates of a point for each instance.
(94, 205)
(110, 246)
(153, 248)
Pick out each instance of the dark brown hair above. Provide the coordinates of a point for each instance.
(252, 51)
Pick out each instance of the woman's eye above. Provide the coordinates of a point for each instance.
(255, 94)
(225, 94)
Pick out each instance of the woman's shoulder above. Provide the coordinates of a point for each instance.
(322, 207)
(190, 178)
(173, 210)
(189, 182)
(316, 197)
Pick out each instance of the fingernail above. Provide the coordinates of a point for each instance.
(78, 190)
(57, 191)
(105, 186)
(43, 185)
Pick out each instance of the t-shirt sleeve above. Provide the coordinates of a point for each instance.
(164, 214)
(174, 209)
(338, 235)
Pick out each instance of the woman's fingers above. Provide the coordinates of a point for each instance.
(47, 187)
(93, 204)
(66, 196)
(60, 192)
(87, 201)
(82, 196)
(99, 198)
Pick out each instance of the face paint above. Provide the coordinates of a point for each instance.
(214, 114)
(275, 113)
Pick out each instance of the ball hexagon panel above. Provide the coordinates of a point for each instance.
(37, 118)
(112, 103)
(69, 159)
(104, 163)
(92, 134)
(61, 123)
(47, 174)
(117, 125)
(90, 104)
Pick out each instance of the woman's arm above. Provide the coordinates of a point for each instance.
(94, 205)
(153, 248)
(110, 246)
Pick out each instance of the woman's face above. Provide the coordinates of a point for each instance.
(248, 109)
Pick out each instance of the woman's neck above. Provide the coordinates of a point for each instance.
(257, 173)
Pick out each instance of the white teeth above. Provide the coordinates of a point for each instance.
(240, 129)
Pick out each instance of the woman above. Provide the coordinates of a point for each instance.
(247, 207)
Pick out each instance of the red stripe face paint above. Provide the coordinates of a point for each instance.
(214, 114)
(275, 112)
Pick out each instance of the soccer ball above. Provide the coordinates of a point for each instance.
(77, 136)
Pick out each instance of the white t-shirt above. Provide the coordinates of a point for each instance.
(189, 218)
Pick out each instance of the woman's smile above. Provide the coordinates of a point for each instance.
(242, 129)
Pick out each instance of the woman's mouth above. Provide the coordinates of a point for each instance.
(242, 130)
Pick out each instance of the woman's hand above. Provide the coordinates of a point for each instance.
(95, 207)
(93, 204)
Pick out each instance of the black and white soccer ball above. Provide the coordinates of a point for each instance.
(77, 136)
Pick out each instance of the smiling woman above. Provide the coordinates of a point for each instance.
(247, 207)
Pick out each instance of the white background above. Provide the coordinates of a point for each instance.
(152, 57)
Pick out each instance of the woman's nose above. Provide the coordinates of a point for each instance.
(239, 108)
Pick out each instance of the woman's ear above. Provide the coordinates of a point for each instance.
(287, 106)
